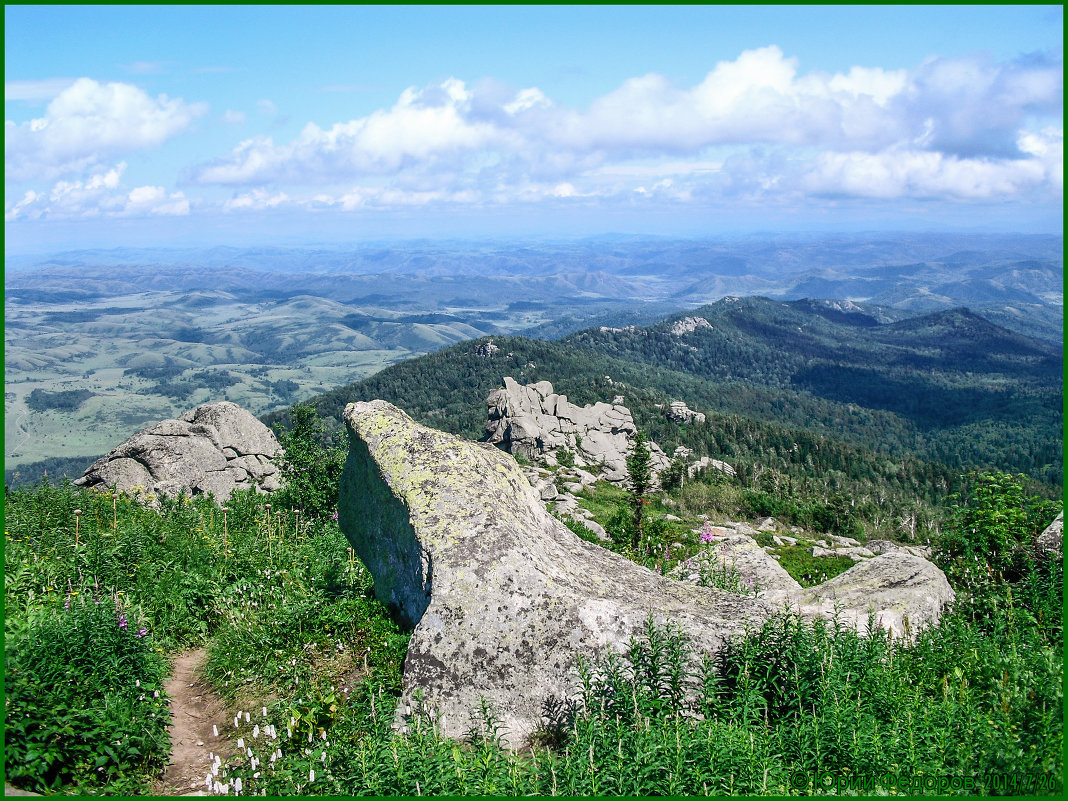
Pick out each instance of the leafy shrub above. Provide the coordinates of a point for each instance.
(311, 471)
(565, 457)
(993, 526)
(84, 700)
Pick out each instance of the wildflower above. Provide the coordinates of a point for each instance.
(237, 785)
(264, 711)
(334, 516)
(214, 731)
(255, 731)
(142, 633)
(66, 604)
(241, 743)
(122, 622)
(311, 775)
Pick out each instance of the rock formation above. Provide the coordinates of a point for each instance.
(899, 590)
(681, 413)
(687, 325)
(214, 448)
(503, 598)
(533, 421)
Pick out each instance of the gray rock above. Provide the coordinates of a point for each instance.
(754, 566)
(855, 554)
(1051, 540)
(903, 592)
(502, 597)
(533, 421)
(706, 462)
(212, 449)
(679, 412)
(688, 325)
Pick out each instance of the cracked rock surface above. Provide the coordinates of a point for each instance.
(214, 448)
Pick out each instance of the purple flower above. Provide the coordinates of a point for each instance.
(334, 517)
(142, 633)
(122, 622)
(706, 536)
(66, 604)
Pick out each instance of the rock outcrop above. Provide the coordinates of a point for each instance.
(214, 448)
(687, 325)
(899, 590)
(1051, 540)
(752, 567)
(679, 412)
(533, 421)
(503, 598)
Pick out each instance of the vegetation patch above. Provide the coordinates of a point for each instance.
(68, 400)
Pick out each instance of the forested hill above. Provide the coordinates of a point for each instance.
(947, 388)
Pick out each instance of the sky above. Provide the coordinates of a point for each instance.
(277, 125)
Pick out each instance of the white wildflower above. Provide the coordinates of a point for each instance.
(311, 775)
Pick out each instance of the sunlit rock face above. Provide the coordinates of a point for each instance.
(502, 597)
(214, 449)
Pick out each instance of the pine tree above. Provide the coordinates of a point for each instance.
(640, 479)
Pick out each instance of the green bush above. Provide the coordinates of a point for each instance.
(993, 526)
(84, 705)
(311, 471)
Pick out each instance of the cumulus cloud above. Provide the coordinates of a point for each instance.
(964, 128)
(88, 122)
(256, 199)
(100, 194)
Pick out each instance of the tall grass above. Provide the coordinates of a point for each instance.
(296, 639)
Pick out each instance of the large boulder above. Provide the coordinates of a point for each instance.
(502, 597)
(212, 449)
(898, 591)
(533, 421)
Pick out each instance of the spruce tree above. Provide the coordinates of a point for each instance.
(639, 480)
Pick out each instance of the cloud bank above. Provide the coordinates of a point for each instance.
(756, 130)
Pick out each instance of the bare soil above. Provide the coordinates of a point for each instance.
(195, 709)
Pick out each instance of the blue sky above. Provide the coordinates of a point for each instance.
(247, 124)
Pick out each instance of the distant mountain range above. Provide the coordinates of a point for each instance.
(948, 387)
(145, 333)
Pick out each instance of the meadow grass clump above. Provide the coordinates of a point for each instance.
(84, 706)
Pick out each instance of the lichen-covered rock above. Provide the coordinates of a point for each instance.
(742, 556)
(901, 591)
(533, 421)
(212, 449)
(503, 598)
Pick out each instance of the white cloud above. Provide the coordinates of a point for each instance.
(962, 128)
(35, 90)
(231, 117)
(88, 122)
(921, 174)
(100, 194)
(255, 200)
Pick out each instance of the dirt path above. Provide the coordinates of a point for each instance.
(194, 710)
